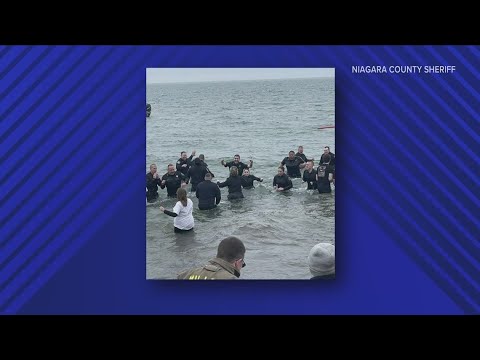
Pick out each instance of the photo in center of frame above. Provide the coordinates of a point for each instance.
(240, 174)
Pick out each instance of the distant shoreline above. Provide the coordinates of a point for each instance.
(248, 80)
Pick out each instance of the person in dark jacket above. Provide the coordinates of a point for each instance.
(324, 176)
(208, 193)
(310, 176)
(281, 181)
(153, 182)
(326, 151)
(173, 180)
(301, 155)
(196, 174)
(202, 157)
(225, 266)
(293, 164)
(237, 163)
(234, 184)
(321, 261)
(184, 163)
(247, 179)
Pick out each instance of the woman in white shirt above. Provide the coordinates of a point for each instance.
(182, 212)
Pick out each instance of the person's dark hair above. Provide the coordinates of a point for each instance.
(236, 155)
(234, 171)
(282, 168)
(182, 196)
(169, 165)
(183, 152)
(326, 158)
(291, 151)
(231, 249)
(197, 161)
(201, 157)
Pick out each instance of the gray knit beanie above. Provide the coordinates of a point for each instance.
(321, 259)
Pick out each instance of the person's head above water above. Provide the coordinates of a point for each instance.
(321, 260)
(232, 250)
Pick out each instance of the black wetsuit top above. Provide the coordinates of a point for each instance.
(332, 159)
(302, 156)
(311, 179)
(152, 187)
(323, 184)
(293, 166)
(282, 181)
(196, 174)
(173, 182)
(241, 166)
(208, 170)
(234, 184)
(247, 181)
(208, 195)
(181, 162)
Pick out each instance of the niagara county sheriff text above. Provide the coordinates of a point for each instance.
(403, 69)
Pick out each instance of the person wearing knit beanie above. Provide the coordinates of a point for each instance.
(321, 261)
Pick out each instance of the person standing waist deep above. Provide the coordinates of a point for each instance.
(208, 193)
(234, 184)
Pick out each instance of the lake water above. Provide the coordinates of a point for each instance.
(260, 120)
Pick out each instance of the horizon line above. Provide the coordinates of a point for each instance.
(238, 80)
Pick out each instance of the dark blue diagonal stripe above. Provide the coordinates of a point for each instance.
(75, 240)
(372, 116)
(449, 248)
(453, 94)
(460, 85)
(30, 90)
(412, 182)
(87, 205)
(27, 71)
(14, 62)
(474, 50)
(405, 221)
(415, 167)
(68, 136)
(121, 81)
(69, 113)
(4, 51)
(408, 135)
(466, 63)
(52, 109)
(59, 183)
(468, 151)
(40, 100)
(9, 271)
(466, 188)
(401, 238)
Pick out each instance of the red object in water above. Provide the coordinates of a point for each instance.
(327, 127)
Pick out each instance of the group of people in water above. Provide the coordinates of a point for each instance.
(195, 171)
(231, 251)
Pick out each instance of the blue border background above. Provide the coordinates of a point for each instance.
(72, 134)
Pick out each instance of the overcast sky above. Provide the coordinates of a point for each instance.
(175, 75)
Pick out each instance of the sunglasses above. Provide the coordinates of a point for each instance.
(243, 263)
